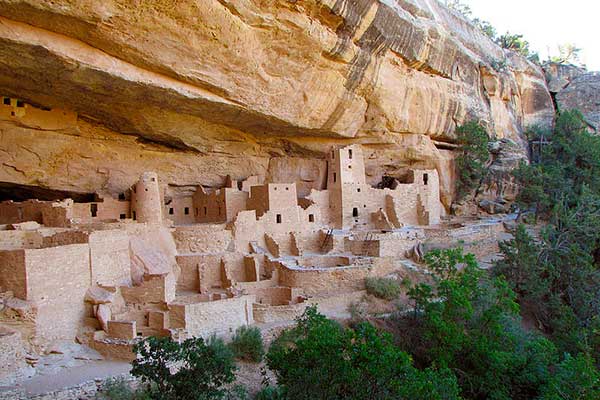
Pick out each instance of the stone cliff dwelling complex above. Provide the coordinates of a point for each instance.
(109, 271)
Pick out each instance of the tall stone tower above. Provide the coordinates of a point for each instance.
(346, 183)
(146, 204)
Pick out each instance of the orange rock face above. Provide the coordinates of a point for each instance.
(196, 90)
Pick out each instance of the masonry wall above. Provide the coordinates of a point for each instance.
(110, 259)
(10, 240)
(30, 210)
(181, 210)
(106, 210)
(13, 276)
(57, 280)
(35, 117)
(203, 238)
(213, 317)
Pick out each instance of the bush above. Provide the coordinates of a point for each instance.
(473, 155)
(269, 393)
(384, 288)
(191, 370)
(319, 359)
(119, 389)
(247, 344)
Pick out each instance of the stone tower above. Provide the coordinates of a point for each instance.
(146, 204)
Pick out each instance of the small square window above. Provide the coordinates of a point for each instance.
(171, 211)
(7, 101)
(358, 190)
(287, 188)
(121, 196)
(186, 211)
(311, 218)
(20, 103)
(122, 216)
(94, 210)
(278, 218)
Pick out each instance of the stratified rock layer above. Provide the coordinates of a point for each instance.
(196, 90)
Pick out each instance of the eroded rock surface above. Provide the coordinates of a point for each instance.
(198, 90)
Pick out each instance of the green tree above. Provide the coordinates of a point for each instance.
(319, 359)
(471, 326)
(191, 370)
(514, 42)
(576, 378)
(568, 53)
(472, 157)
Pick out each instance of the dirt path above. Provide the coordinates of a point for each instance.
(68, 377)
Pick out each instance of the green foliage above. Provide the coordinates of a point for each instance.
(270, 393)
(574, 378)
(190, 370)
(568, 53)
(384, 288)
(319, 359)
(514, 42)
(119, 389)
(558, 276)
(469, 324)
(247, 344)
(472, 157)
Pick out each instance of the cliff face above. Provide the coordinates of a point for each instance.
(196, 90)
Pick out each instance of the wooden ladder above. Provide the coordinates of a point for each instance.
(327, 237)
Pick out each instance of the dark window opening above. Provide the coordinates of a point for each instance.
(121, 196)
(171, 211)
(334, 177)
(350, 154)
(240, 185)
(186, 211)
(355, 212)
(349, 166)
(333, 154)
(278, 218)
(153, 179)
(7, 101)
(219, 210)
(12, 113)
(134, 217)
(275, 188)
(205, 211)
(20, 103)
(94, 209)
(425, 179)
(146, 189)
(122, 216)
(287, 188)
(358, 190)
(311, 218)
(196, 211)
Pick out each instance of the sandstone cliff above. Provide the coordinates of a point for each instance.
(199, 89)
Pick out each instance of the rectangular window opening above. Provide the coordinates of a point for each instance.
(122, 216)
(278, 218)
(205, 212)
(94, 210)
(186, 211)
(350, 154)
(20, 103)
(171, 211)
(134, 216)
(311, 218)
(425, 179)
(7, 101)
(334, 177)
(355, 212)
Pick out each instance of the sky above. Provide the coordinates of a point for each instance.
(547, 23)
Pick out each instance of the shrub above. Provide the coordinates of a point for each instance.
(270, 393)
(319, 359)
(190, 370)
(384, 288)
(119, 389)
(473, 155)
(247, 344)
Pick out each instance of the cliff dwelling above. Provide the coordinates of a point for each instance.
(109, 271)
